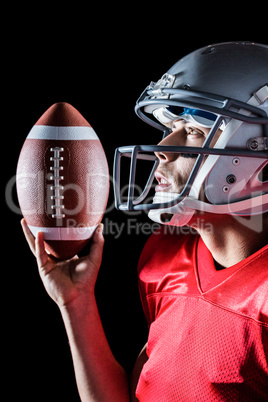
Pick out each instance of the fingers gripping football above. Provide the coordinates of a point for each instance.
(66, 281)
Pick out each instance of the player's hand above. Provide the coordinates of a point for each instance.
(70, 280)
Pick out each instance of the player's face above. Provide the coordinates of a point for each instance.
(174, 169)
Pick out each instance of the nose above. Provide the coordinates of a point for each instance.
(164, 156)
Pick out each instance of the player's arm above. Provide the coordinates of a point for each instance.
(99, 376)
(71, 285)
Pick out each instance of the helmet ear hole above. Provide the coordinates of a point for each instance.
(263, 175)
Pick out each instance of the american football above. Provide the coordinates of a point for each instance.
(63, 180)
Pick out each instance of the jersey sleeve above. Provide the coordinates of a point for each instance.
(159, 269)
(143, 284)
(151, 268)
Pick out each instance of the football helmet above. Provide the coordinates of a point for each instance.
(222, 86)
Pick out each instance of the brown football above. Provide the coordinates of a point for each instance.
(63, 180)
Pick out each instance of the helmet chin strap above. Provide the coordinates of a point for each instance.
(181, 214)
(178, 215)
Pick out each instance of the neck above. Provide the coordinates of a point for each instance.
(232, 239)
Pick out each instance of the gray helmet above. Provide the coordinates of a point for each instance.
(232, 70)
(219, 86)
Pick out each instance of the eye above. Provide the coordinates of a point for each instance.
(193, 131)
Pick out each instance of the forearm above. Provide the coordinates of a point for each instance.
(99, 376)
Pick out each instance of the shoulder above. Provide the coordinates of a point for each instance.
(165, 265)
(165, 245)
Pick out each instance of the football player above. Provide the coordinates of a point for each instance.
(205, 290)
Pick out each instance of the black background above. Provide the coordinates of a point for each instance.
(99, 59)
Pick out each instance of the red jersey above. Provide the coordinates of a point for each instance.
(208, 335)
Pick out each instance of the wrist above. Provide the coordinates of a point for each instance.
(80, 307)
